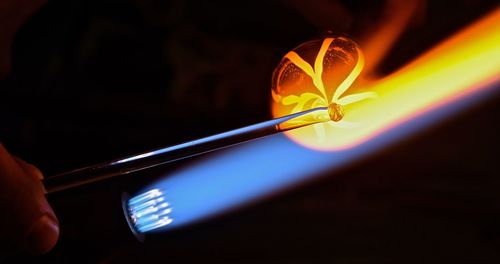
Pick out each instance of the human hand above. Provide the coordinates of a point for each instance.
(26, 220)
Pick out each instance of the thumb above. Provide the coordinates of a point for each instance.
(28, 220)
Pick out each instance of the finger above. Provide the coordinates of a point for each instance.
(29, 168)
(28, 219)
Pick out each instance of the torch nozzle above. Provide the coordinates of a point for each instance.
(192, 148)
(147, 211)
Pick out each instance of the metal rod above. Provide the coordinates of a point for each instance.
(157, 157)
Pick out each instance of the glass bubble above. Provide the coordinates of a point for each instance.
(318, 73)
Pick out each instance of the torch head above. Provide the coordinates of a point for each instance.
(147, 212)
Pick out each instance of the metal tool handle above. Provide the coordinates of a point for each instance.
(192, 148)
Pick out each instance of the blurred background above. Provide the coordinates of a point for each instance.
(100, 79)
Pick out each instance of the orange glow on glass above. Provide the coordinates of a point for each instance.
(457, 67)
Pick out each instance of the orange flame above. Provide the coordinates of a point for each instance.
(457, 67)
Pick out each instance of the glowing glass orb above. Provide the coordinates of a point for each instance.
(318, 73)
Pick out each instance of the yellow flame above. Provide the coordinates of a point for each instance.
(455, 68)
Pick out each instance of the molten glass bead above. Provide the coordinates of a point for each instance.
(336, 112)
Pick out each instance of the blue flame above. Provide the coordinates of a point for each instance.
(251, 171)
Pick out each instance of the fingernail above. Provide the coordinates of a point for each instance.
(37, 172)
(43, 235)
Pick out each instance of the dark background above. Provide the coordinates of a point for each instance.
(99, 79)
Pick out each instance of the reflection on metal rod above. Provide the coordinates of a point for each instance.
(192, 148)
